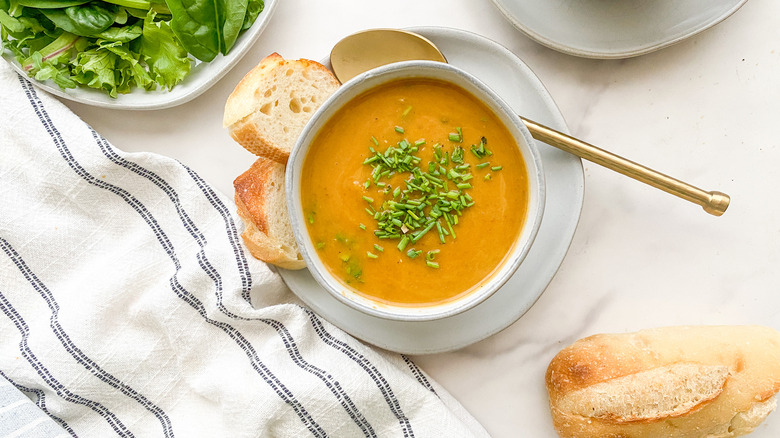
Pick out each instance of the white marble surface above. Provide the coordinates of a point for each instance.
(705, 110)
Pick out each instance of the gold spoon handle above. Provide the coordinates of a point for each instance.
(714, 203)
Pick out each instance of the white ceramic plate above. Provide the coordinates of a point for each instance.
(516, 83)
(614, 28)
(202, 76)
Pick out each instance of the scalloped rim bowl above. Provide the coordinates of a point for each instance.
(373, 79)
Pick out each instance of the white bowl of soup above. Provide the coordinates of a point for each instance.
(414, 192)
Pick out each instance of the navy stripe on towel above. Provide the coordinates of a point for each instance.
(73, 350)
(50, 380)
(281, 390)
(40, 404)
(289, 342)
(376, 376)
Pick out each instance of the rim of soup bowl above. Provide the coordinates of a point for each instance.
(370, 80)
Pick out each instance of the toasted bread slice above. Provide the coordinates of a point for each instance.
(262, 207)
(270, 106)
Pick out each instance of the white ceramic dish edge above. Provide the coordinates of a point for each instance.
(648, 48)
(370, 80)
(200, 79)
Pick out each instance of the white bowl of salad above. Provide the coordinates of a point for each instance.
(129, 54)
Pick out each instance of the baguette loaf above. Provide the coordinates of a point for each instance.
(270, 106)
(262, 206)
(677, 382)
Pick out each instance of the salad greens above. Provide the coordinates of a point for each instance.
(120, 45)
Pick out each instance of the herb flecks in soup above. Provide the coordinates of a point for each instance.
(425, 200)
(414, 193)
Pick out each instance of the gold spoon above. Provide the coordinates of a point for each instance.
(368, 49)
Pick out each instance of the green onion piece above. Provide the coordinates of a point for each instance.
(367, 199)
(362, 227)
(497, 168)
(320, 245)
(452, 232)
(412, 253)
(371, 255)
(344, 257)
(374, 140)
(422, 233)
(311, 217)
(487, 177)
(432, 264)
(399, 129)
(406, 111)
(441, 232)
(456, 137)
(379, 248)
(402, 244)
(431, 254)
(482, 165)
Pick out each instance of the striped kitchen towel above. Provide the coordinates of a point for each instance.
(129, 307)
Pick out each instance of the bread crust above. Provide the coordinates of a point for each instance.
(618, 385)
(269, 107)
(256, 209)
(246, 133)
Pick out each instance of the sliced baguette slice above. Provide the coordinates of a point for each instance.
(270, 106)
(671, 382)
(262, 206)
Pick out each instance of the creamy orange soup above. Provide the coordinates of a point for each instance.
(414, 237)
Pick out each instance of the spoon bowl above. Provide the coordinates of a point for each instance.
(373, 48)
(363, 51)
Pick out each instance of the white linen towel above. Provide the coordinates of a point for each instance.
(129, 307)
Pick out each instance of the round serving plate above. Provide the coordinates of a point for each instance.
(614, 28)
(508, 76)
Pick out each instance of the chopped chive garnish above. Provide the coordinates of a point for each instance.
(402, 244)
(406, 111)
(487, 177)
(344, 257)
(320, 245)
(432, 264)
(456, 137)
(311, 217)
(427, 194)
(496, 168)
(371, 255)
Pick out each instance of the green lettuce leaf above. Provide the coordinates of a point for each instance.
(167, 59)
(95, 69)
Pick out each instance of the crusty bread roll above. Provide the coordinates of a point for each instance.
(676, 382)
(262, 207)
(270, 106)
